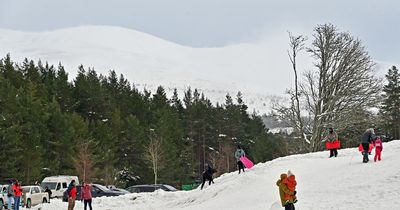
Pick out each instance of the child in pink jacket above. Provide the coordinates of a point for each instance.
(378, 148)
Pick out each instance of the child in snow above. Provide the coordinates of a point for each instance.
(378, 148)
(287, 190)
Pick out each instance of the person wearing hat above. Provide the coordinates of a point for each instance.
(330, 137)
(287, 192)
(238, 154)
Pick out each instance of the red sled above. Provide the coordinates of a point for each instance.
(246, 162)
(333, 145)
(361, 149)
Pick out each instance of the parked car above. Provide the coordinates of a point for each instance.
(3, 196)
(121, 190)
(33, 195)
(97, 191)
(58, 184)
(150, 188)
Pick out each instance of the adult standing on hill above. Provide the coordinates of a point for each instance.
(287, 195)
(238, 154)
(366, 139)
(331, 137)
(71, 193)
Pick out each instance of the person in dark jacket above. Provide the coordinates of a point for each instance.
(47, 189)
(208, 175)
(238, 154)
(366, 139)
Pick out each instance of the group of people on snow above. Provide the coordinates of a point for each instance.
(208, 172)
(86, 195)
(368, 141)
(14, 194)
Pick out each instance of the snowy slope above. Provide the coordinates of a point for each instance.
(342, 183)
(258, 69)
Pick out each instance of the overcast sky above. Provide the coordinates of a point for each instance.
(210, 23)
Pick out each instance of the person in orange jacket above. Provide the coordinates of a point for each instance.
(287, 190)
(17, 194)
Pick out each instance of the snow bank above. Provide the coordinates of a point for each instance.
(341, 183)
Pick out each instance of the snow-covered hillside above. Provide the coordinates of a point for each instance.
(342, 183)
(257, 69)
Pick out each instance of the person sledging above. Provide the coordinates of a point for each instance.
(238, 154)
(331, 137)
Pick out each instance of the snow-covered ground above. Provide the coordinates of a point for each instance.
(342, 183)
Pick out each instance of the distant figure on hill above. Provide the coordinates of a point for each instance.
(208, 175)
(238, 154)
(287, 190)
(378, 148)
(366, 139)
(331, 137)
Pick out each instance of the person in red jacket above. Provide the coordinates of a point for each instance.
(86, 195)
(71, 192)
(378, 148)
(17, 195)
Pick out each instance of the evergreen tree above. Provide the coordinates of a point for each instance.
(391, 103)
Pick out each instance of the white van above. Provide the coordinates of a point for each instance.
(58, 184)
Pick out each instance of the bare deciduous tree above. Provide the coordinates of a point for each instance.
(341, 84)
(154, 153)
(83, 162)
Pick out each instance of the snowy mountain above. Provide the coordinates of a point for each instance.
(323, 183)
(260, 69)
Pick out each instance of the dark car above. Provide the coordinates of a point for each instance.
(97, 191)
(150, 188)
